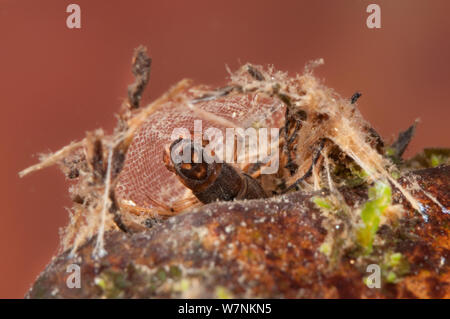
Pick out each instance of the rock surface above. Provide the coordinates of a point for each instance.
(264, 248)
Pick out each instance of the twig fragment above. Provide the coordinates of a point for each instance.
(402, 142)
(355, 97)
(310, 169)
(52, 159)
(141, 65)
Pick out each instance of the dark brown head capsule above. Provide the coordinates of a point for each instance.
(210, 182)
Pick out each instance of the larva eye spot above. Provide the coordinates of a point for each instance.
(198, 171)
(186, 161)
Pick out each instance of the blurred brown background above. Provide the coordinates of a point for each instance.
(56, 83)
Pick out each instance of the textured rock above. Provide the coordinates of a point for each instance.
(264, 248)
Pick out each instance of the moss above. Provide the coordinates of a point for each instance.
(430, 157)
(223, 293)
(182, 286)
(112, 283)
(325, 249)
(321, 202)
(175, 272)
(394, 267)
(437, 159)
(358, 172)
(390, 151)
(136, 279)
(331, 203)
(366, 280)
(395, 174)
(394, 259)
(391, 277)
(161, 275)
(349, 173)
(380, 197)
(339, 214)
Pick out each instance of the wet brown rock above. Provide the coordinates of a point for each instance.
(263, 248)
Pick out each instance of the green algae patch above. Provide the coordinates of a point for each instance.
(430, 157)
(322, 202)
(325, 249)
(136, 279)
(380, 197)
(112, 283)
(349, 174)
(394, 267)
(223, 293)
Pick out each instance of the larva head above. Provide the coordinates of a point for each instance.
(185, 159)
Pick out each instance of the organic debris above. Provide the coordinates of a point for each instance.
(122, 182)
(396, 150)
(141, 69)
